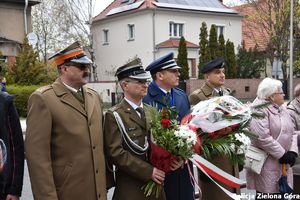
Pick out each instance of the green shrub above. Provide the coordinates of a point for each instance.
(22, 94)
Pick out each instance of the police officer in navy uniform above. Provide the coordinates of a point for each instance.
(214, 75)
(162, 92)
(126, 135)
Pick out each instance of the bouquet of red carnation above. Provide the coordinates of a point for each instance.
(170, 141)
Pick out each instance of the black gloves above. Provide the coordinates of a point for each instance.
(288, 158)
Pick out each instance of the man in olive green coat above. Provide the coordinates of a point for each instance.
(126, 132)
(214, 75)
(64, 145)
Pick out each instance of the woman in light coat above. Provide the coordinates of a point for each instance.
(276, 137)
(294, 111)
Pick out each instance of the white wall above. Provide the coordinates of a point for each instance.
(120, 50)
(102, 88)
(192, 24)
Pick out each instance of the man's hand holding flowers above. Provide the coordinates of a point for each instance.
(176, 164)
(158, 176)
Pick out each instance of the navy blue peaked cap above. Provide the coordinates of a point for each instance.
(214, 64)
(165, 62)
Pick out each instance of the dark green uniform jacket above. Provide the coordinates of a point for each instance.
(133, 170)
(205, 92)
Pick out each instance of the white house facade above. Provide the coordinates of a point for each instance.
(149, 29)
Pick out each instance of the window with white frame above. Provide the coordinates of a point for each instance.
(105, 36)
(220, 30)
(131, 32)
(176, 29)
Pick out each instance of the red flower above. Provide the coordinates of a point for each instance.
(166, 123)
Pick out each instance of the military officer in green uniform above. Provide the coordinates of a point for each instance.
(126, 132)
(214, 75)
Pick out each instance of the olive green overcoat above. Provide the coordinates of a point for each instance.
(64, 145)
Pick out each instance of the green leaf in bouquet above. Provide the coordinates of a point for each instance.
(261, 106)
(211, 147)
(249, 134)
(148, 188)
(229, 117)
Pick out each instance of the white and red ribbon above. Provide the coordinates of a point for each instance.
(213, 171)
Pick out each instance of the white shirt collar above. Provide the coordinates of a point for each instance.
(133, 105)
(71, 88)
(164, 91)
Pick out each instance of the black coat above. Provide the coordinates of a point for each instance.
(11, 178)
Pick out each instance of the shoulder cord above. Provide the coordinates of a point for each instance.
(132, 145)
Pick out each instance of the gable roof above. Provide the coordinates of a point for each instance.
(252, 32)
(175, 43)
(123, 6)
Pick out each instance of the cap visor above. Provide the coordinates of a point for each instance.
(174, 67)
(82, 60)
(142, 76)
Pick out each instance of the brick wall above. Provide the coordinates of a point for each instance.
(11, 61)
(243, 88)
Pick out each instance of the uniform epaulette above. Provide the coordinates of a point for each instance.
(197, 91)
(114, 108)
(44, 88)
(88, 88)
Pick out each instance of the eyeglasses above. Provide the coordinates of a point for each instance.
(282, 93)
(142, 82)
(82, 67)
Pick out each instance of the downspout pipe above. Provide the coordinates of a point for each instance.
(25, 17)
(153, 34)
